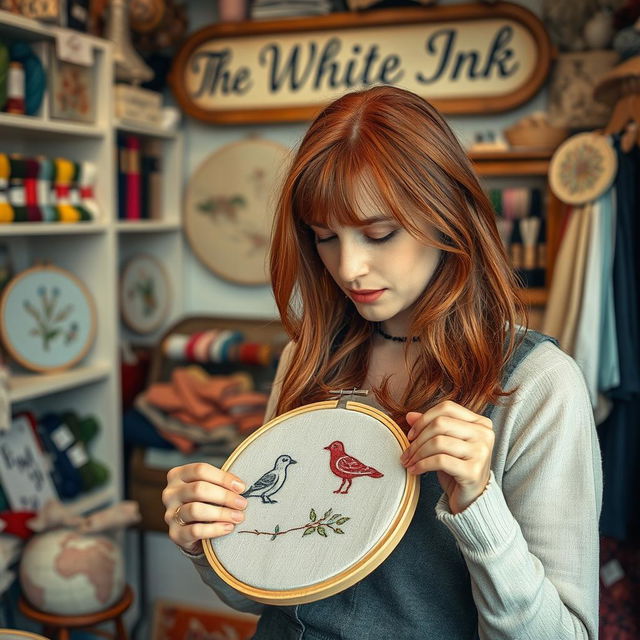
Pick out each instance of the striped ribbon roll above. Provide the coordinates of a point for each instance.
(46, 175)
(17, 198)
(76, 200)
(63, 176)
(6, 210)
(87, 181)
(31, 190)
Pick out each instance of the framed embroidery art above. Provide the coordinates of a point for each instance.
(229, 207)
(328, 498)
(145, 293)
(47, 319)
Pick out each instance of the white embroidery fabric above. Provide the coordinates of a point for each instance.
(293, 560)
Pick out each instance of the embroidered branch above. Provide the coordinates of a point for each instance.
(329, 520)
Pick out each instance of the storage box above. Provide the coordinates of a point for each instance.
(138, 106)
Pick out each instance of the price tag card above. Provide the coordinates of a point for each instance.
(72, 46)
(23, 473)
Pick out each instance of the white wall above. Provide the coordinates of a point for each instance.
(170, 574)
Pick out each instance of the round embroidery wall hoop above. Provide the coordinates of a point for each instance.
(362, 564)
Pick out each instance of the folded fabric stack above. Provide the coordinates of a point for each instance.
(196, 409)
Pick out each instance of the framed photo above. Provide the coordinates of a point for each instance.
(145, 294)
(72, 91)
(47, 319)
(229, 208)
(181, 621)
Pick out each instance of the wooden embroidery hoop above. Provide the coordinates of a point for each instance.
(361, 567)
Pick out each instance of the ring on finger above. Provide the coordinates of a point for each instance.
(178, 518)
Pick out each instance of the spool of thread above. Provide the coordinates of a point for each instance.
(529, 228)
(15, 88)
(6, 210)
(174, 346)
(4, 74)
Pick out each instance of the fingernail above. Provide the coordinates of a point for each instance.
(227, 527)
(237, 516)
(240, 502)
(237, 486)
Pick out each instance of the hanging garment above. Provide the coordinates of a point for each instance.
(565, 295)
(620, 433)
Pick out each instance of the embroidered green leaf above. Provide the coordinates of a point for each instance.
(274, 536)
(333, 518)
(339, 531)
(312, 516)
(322, 531)
(308, 531)
(327, 513)
(342, 520)
(277, 528)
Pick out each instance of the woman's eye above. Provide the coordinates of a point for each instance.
(320, 239)
(383, 238)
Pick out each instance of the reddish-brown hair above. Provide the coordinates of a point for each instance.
(466, 320)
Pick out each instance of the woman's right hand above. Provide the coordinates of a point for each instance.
(201, 501)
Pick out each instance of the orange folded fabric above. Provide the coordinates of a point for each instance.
(249, 423)
(186, 383)
(164, 396)
(241, 403)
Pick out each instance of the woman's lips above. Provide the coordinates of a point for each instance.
(366, 295)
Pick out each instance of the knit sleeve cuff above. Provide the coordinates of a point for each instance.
(197, 558)
(485, 527)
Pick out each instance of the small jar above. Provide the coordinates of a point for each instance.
(15, 88)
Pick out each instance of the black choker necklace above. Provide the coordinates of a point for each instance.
(386, 336)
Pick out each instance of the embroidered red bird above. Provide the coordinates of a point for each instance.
(347, 467)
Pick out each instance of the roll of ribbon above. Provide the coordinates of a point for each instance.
(174, 346)
(6, 210)
(4, 74)
(35, 77)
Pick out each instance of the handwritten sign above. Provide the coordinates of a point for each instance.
(25, 479)
(463, 58)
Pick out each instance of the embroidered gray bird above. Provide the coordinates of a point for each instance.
(271, 482)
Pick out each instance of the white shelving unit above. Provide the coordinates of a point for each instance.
(92, 251)
(162, 236)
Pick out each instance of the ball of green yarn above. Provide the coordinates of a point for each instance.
(4, 73)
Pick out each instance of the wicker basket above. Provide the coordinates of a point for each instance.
(535, 135)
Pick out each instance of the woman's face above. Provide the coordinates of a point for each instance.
(381, 267)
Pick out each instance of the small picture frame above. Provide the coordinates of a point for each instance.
(145, 293)
(72, 91)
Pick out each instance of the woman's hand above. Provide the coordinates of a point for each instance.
(456, 443)
(201, 502)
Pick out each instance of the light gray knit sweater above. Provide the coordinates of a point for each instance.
(530, 540)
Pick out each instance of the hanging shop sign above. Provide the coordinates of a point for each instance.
(468, 58)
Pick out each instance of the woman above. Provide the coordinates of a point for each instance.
(390, 275)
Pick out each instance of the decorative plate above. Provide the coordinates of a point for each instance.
(144, 293)
(47, 319)
(325, 486)
(229, 208)
(582, 168)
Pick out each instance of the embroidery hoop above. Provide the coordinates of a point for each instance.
(362, 563)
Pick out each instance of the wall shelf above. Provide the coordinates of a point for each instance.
(35, 385)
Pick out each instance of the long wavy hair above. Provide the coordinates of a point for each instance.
(467, 317)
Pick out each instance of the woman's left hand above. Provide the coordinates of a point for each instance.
(457, 444)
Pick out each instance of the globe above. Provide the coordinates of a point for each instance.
(68, 573)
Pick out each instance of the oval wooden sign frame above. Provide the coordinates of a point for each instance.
(336, 23)
(365, 565)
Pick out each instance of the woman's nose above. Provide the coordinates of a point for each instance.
(354, 262)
